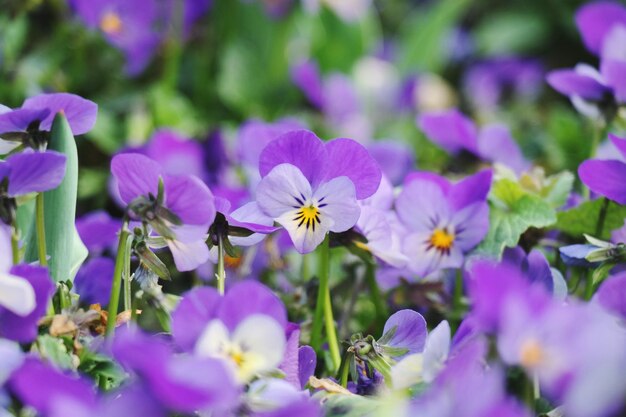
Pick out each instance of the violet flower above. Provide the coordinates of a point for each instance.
(98, 231)
(30, 123)
(606, 177)
(311, 187)
(94, 280)
(177, 154)
(444, 220)
(454, 132)
(277, 398)
(183, 216)
(245, 329)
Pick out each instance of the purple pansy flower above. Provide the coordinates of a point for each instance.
(176, 154)
(277, 398)
(612, 295)
(98, 231)
(185, 197)
(31, 172)
(444, 220)
(130, 25)
(598, 21)
(311, 187)
(246, 328)
(404, 334)
(606, 177)
(455, 132)
(94, 280)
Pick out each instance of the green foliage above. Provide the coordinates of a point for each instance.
(513, 210)
(584, 219)
(106, 373)
(510, 32)
(67, 252)
(56, 350)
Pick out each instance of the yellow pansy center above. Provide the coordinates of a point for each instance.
(531, 354)
(442, 240)
(308, 216)
(111, 23)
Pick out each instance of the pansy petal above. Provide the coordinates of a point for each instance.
(265, 340)
(409, 331)
(436, 350)
(16, 295)
(6, 260)
(337, 201)
(18, 120)
(471, 225)
(421, 206)
(80, 113)
(248, 298)
(306, 76)
(283, 189)
(188, 255)
(572, 83)
(395, 159)
(304, 238)
(451, 130)
(35, 172)
(136, 175)
(496, 144)
(595, 20)
(190, 199)
(614, 72)
(605, 178)
(307, 360)
(24, 328)
(94, 280)
(620, 143)
(408, 371)
(195, 310)
(300, 148)
(470, 190)
(423, 259)
(250, 216)
(349, 158)
(612, 295)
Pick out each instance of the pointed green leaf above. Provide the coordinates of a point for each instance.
(65, 249)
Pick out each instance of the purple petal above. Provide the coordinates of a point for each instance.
(176, 154)
(300, 148)
(422, 206)
(410, 331)
(131, 401)
(538, 269)
(190, 199)
(576, 255)
(98, 231)
(193, 313)
(607, 178)
(18, 120)
(306, 76)
(290, 363)
(80, 113)
(451, 130)
(339, 203)
(282, 190)
(94, 280)
(247, 298)
(612, 295)
(620, 143)
(40, 386)
(614, 72)
(349, 158)
(395, 159)
(255, 135)
(35, 172)
(441, 181)
(572, 83)
(250, 216)
(595, 20)
(307, 361)
(471, 225)
(23, 329)
(473, 189)
(136, 175)
(188, 254)
(496, 144)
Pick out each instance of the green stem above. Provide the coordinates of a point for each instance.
(344, 370)
(602, 217)
(64, 297)
(41, 231)
(221, 270)
(379, 303)
(128, 300)
(114, 300)
(589, 287)
(15, 244)
(325, 305)
(457, 300)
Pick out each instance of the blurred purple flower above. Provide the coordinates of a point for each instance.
(94, 280)
(311, 187)
(454, 132)
(607, 178)
(31, 172)
(98, 231)
(404, 334)
(444, 220)
(177, 155)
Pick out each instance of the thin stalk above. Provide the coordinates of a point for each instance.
(15, 244)
(114, 300)
(128, 299)
(41, 230)
(344, 370)
(589, 288)
(379, 303)
(64, 297)
(602, 217)
(324, 308)
(457, 300)
(221, 270)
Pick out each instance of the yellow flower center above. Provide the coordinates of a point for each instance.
(442, 240)
(531, 354)
(111, 23)
(308, 216)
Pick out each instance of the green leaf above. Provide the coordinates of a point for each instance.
(102, 369)
(513, 211)
(583, 219)
(55, 350)
(510, 32)
(65, 249)
(349, 405)
(557, 188)
(424, 33)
